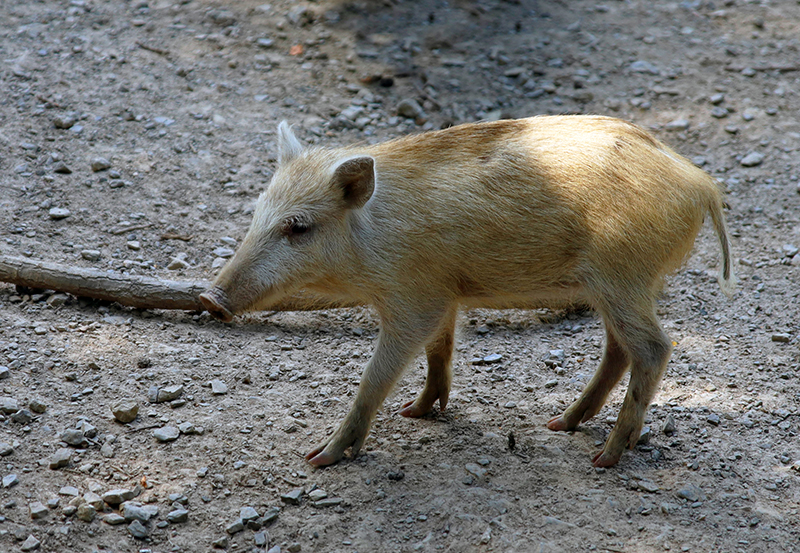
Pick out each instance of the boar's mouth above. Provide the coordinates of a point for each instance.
(216, 301)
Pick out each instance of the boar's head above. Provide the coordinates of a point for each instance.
(301, 227)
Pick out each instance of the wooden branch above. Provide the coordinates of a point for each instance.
(131, 290)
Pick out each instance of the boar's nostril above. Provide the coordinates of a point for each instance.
(215, 300)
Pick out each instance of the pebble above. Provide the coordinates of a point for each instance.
(235, 526)
(645, 436)
(60, 458)
(781, 337)
(166, 434)
(551, 383)
(642, 66)
(247, 514)
(37, 406)
(223, 252)
(86, 512)
(161, 395)
(94, 500)
(5, 449)
(178, 262)
(10, 480)
(30, 544)
(292, 497)
(117, 496)
(271, 514)
(8, 405)
(677, 125)
(69, 490)
(410, 108)
(752, 159)
(648, 486)
(113, 519)
(4, 372)
(64, 121)
(125, 410)
(135, 511)
(218, 387)
(713, 419)
(328, 502)
(691, 493)
(23, 416)
(317, 495)
(222, 543)
(137, 530)
(38, 510)
(493, 358)
(178, 515)
(261, 539)
(91, 255)
(719, 112)
(57, 213)
(475, 469)
(74, 437)
(100, 164)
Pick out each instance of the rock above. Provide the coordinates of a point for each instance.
(38, 510)
(641, 66)
(91, 255)
(260, 539)
(644, 436)
(691, 493)
(475, 469)
(713, 419)
(71, 491)
(91, 498)
(135, 511)
(271, 514)
(37, 406)
(10, 480)
(115, 497)
(716, 99)
(790, 250)
(57, 213)
(719, 112)
(125, 410)
(30, 544)
(752, 159)
(113, 519)
(409, 108)
(294, 548)
(317, 495)
(8, 405)
(328, 502)
(178, 515)
(781, 337)
(218, 387)
(64, 121)
(100, 164)
(4, 372)
(61, 168)
(161, 395)
(222, 543)
(86, 512)
(677, 125)
(137, 530)
(107, 450)
(292, 497)
(74, 437)
(247, 514)
(648, 486)
(23, 416)
(60, 458)
(166, 434)
(223, 252)
(5, 449)
(178, 262)
(235, 526)
(669, 426)
(493, 358)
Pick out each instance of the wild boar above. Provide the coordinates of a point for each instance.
(498, 214)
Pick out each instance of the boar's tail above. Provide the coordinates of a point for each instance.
(726, 278)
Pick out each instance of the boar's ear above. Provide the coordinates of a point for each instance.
(355, 178)
(288, 145)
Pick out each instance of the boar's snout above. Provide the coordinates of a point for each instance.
(216, 301)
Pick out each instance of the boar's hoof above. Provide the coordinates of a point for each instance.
(216, 301)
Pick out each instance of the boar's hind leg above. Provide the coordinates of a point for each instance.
(437, 384)
(648, 348)
(611, 369)
(402, 336)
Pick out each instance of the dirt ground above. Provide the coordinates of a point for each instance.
(182, 98)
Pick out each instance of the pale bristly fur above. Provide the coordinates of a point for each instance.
(497, 214)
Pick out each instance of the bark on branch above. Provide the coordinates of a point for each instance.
(131, 290)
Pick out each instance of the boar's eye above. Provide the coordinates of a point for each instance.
(292, 227)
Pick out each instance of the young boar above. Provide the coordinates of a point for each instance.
(495, 214)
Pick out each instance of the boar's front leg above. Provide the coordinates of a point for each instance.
(437, 384)
(401, 337)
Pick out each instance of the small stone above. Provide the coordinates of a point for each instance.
(222, 543)
(475, 469)
(247, 514)
(8, 405)
(125, 410)
(260, 539)
(641, 66)
(493, 358)
(69, 490)
(691, 493)
(716, 99)
(235, 526)
(135, 511)
(100, 164)
(23, 416)
(57, 213)
(166, 434)
(178, 515)
(115, 497)
(328, 502)
(4, 372)
(292, 497)
(677, 125)
(61, 168)
(187, 427)
(94, 500)
(669, 426)
(137, 530)
(409, 108)
(113, 519)
(10, 480)
(396, 475)
(713, 419)
(37, 406)
(30, 544)
(551, 383)
(5, 449)
(60, 458)
(86, 512)
(38, 510)
(223, 252)
(316, 495)
(91, 255)
(169, 393)
(74, 437)
(294, 548)
(218, 387)
(648, 486)
(719, 112)
(134, 245)
(752, 159)
(644, 436)
(178, 262)
(271, 514)
(781, 337)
